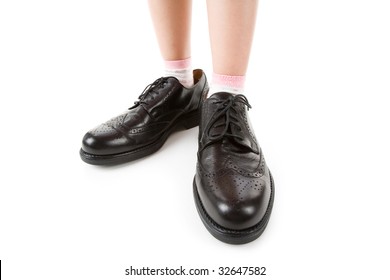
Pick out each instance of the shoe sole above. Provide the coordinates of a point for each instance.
(232, 236)
(186, 121)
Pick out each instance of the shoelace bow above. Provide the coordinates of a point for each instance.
(142, 99)
(227, 110)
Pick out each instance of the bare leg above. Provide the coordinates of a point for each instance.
(172, 23)
(231, 26)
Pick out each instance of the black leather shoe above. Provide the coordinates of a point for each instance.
(233, 188)
(164, 106)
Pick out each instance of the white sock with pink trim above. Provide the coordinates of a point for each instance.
(226, 83)
(180, 69)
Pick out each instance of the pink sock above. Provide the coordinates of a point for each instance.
(226, 83)
(180, 69)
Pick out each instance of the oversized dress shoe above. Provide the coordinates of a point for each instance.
(233, 188)
(163, 107)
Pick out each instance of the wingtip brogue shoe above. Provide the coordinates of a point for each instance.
(233, 188)
(163, 107)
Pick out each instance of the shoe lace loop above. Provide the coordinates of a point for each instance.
(226, 110)
(151, 88)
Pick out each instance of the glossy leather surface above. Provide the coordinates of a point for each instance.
(160, 107)
(232, 179)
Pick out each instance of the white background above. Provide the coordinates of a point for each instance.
(319, 83)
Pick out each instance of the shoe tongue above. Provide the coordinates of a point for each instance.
(211, 107)
(220, 96)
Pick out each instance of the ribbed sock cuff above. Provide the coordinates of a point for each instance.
(227, 83)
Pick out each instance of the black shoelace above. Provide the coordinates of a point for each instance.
(227, 111)
(149, 90)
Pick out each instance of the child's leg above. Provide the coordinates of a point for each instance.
(233, 188)
(172, 24)
(231, 26)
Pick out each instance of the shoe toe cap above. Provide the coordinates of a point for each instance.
(103, 140)
(235, 216)
(235, 202)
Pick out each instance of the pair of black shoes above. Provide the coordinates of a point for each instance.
(233, 188)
